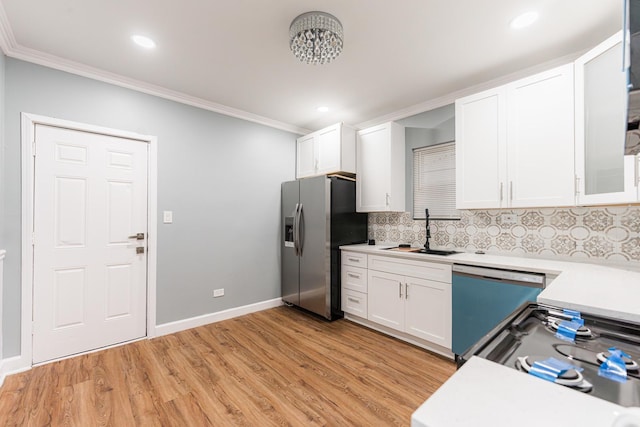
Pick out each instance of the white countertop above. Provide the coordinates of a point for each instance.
(611, 291)
(473, 396)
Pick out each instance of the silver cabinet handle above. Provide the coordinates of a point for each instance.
(354, 260)
(138, 236)
(354, 300)
(355, 276)
(387, 198)
(501, 197)
(511, 190)
(400, 289)
(406, 291)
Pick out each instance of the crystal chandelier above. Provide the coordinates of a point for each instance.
(316, 37)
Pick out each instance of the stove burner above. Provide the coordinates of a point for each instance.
(582, 332)
(570, 378)
(629, 363)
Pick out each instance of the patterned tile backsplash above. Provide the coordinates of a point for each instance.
(605, 233)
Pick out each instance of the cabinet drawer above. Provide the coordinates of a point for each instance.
(354, 259)
(354, 302)
(420, 269)
(354, 278)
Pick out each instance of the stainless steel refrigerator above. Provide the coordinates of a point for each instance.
(318, 215)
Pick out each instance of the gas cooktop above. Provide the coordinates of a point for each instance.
(587, 353)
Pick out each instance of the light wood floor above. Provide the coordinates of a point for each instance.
(276, 367)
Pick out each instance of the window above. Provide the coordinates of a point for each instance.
(434, 181)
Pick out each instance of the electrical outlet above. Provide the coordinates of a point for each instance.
(508, 218)
(218, 293)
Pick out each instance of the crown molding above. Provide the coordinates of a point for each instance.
(12, 49)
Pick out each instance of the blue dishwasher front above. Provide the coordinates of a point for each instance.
(481, 297)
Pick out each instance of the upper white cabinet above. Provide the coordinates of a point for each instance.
(604, 174)
(515, 144)
(380, 177)
(329, 150)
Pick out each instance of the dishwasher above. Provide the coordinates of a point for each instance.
(481, 297)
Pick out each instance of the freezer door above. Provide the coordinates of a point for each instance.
(290, 261)
(315, 260)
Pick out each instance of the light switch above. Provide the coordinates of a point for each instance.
(167, 217)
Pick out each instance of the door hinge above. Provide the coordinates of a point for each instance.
(33, 239)
(33, 148)
(577, 185)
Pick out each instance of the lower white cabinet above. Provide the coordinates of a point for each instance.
(406, 295)
(353, 280)
(416, 306)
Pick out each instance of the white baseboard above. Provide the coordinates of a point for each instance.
(205, 319)
(11, 365)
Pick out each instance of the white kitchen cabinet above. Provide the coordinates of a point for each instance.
(354, 284)
(481, 135)
(428, 310)
(385, 299)
(604, 174)
(380, 166)
(515, 144)
(329, 150)
(418, 306)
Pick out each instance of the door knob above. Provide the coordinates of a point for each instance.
(140, 250)
(139, 236)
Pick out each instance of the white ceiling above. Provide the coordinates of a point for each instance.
(234, 54)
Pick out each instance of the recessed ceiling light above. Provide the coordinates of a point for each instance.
(524, 20)
(143, 41)
(322, 109)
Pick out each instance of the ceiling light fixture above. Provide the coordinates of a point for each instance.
(316, 37)
(524, 20)
(322, 109)
(143, 41)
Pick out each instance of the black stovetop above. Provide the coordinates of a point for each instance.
(529, 335)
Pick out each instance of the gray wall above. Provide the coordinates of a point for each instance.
(219, 175)
(424, 129)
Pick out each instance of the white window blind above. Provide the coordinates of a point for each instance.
(434, 181)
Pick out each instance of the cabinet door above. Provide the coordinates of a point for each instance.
(329, 149)
(428, 310)
(480, 150)
(540, 141)
(373, 170)
(306, 158)
(386, 299)
(605, 174)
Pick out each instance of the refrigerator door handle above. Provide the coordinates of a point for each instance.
(295, 229)
(299, 230)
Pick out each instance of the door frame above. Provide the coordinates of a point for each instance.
(28, 123)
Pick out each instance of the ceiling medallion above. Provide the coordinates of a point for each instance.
(316, 37)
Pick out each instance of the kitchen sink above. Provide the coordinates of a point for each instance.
(436, 252)
(421, 251)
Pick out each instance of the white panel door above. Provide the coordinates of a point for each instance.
(428, 310)
(373, 176)
(306, 158)
(329, 150)
(481, 150)
(540, 139)
(89, 283)
(385, 299)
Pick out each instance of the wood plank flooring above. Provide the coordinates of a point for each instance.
(276, 367)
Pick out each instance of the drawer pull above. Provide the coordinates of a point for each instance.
(354, 260)
(355, 276)
(354, 300)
